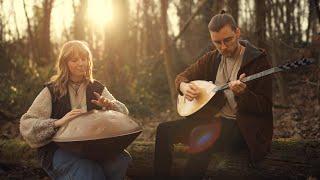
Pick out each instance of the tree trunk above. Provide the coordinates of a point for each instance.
(15, 21)
(218, 6)
(45, 51)
(79, 19)
(317, 9)
(233, 9)
(34, 54)
(188, 21)
(167, 51)
(2, 27)
(275, 33)
(314, 11)
(260, 7)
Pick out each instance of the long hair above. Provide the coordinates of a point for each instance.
(61, 78)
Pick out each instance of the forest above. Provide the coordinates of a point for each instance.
(139, 46)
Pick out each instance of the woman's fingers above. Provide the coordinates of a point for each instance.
(76, 111)
(103, 102)
(97, 95)
(74, 115)
(94, 101)
(99, 99)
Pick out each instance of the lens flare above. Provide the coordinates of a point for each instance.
(204, 136)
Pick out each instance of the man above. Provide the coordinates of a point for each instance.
(246, 116)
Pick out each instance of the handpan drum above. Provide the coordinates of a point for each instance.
(97, 134)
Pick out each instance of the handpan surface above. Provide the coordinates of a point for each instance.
(98, 135)
(95, 125)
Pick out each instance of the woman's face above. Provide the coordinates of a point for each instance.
(77, 66)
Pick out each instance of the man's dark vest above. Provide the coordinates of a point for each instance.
(60, 107)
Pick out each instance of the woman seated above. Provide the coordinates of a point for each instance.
(71, 92)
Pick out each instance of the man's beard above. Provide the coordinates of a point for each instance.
(233, 53)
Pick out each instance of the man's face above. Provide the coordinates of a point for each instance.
(226, 40)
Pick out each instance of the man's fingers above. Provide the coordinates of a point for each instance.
(193, 89)
(190, 91)
(189, 98)
(243, 75)
(237, 83)
(193, 86)
(192, 95)
(242, 85)
(237, 86)
(231, 85)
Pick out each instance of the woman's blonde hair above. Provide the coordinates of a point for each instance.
(61, 78)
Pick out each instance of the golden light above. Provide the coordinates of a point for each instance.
(100, 12)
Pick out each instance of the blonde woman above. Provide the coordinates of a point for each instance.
(71, 91)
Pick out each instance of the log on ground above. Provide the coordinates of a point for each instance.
(288, 160)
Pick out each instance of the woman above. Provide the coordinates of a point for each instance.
(71, 91)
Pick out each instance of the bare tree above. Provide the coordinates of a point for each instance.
(260, 28)
(317, 8)
(15, 21)
(314, 11)
(79, 23)
(273, 43)
(233, 9)
(44, 41)
(1, 22)
(166, 50)
(34, 54)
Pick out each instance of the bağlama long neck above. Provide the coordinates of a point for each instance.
(252, 77)
(287, 66)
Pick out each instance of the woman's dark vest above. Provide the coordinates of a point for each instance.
(60, 107)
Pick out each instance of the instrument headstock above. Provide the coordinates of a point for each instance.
(296, 64)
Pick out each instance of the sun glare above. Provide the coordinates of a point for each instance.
(100, 12)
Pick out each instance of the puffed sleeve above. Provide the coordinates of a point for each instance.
(118, 106)
(36, 126)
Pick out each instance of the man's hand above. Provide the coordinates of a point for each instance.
(237, 86)
(189, 90)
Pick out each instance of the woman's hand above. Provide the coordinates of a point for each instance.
(69, 116)
(102, 101)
